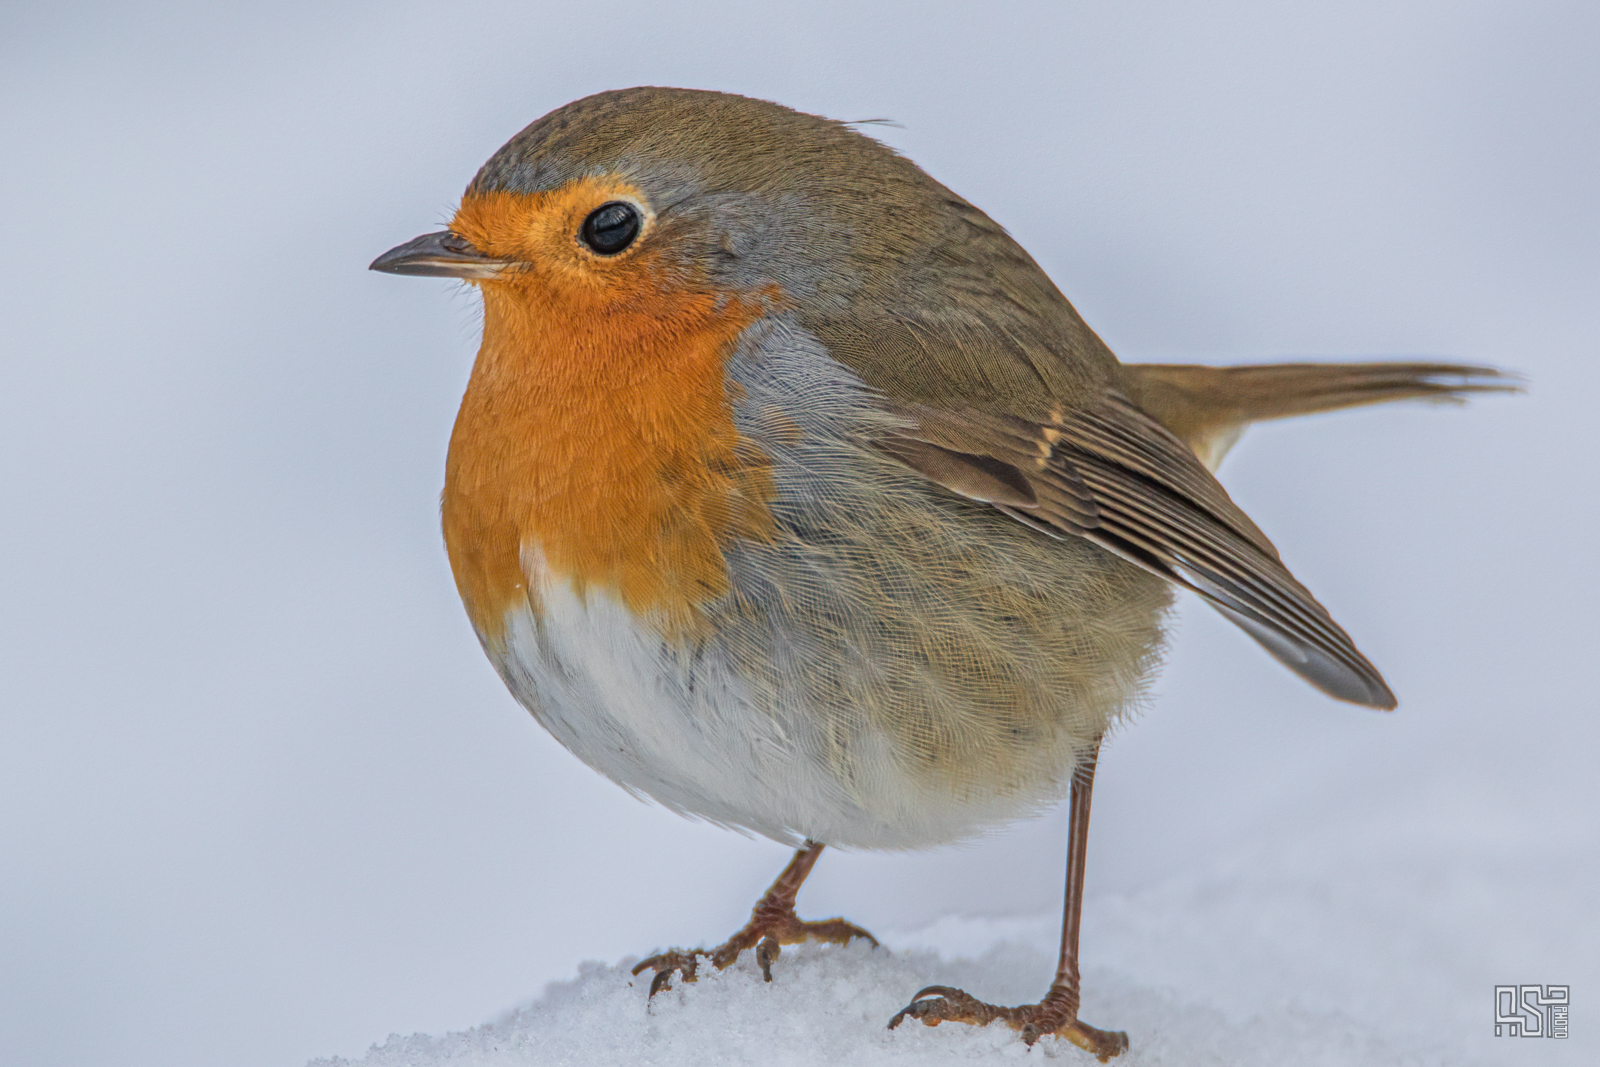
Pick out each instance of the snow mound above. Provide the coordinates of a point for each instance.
(830, 1004)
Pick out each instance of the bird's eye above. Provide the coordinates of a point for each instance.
(610, 227)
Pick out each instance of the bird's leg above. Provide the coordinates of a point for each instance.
(772, 923)
(1057, 1013)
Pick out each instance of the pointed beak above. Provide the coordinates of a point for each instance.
(440, 255)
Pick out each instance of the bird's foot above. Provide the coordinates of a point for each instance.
(771, 925)
(1053, 1015)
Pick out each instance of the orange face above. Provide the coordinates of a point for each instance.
(595, 441)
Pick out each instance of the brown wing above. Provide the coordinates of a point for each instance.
(1115, 476)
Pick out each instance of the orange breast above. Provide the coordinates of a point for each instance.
(596, 434)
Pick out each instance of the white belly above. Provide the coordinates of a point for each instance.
(681, 727)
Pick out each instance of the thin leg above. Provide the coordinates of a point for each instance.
(1057, 1013)
(1068, 977)
(773, 923)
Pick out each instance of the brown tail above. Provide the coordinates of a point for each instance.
(1208, 407)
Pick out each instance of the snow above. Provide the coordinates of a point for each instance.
(1210, 969)
(830, 1005)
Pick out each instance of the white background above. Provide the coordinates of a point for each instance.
(261, 797)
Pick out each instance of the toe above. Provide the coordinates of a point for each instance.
(835, 931)
(662, 980)
(767, 953)
(685, 963)
(933, 1005)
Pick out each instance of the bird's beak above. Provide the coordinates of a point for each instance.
(440, 255)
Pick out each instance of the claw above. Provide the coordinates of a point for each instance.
(939, 1004)
(772, 924)
(766, 938)
(686, 963)
(833, 931)
(767, 953)
(1101, 1044)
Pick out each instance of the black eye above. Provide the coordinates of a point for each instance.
(610, 227)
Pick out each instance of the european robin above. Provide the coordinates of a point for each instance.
(789, 492)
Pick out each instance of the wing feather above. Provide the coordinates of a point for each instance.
(1113, 475)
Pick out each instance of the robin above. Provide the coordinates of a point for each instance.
(789, 492)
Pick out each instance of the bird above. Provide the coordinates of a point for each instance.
(790, 493)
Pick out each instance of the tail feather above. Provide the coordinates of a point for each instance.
(1209, 407)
